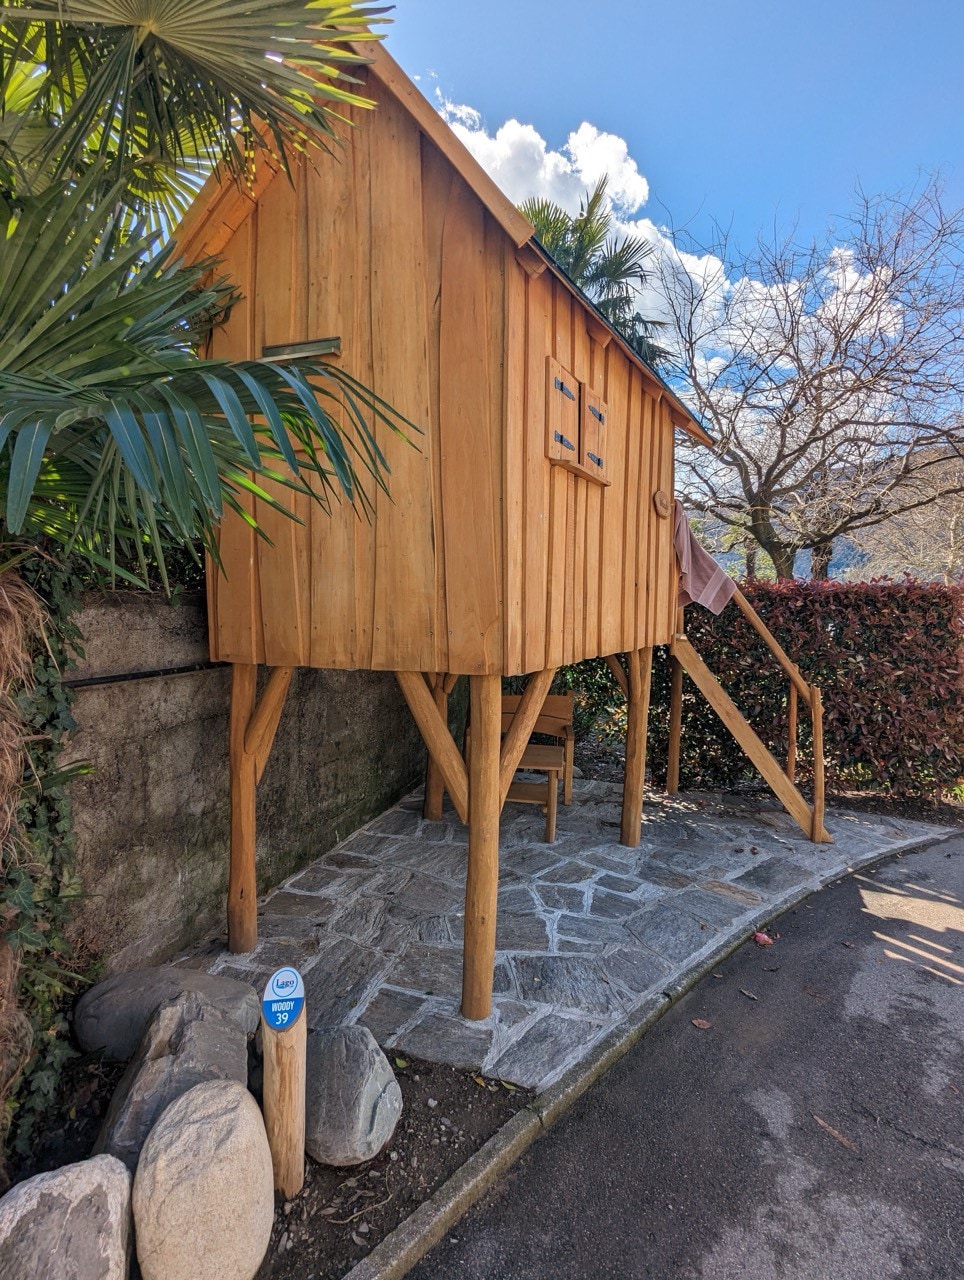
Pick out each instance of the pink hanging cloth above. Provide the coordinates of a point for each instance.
(701, 580)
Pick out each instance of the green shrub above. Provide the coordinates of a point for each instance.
(888, 657)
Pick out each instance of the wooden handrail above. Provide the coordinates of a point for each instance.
(772, 643)
(812, 699)
(681, 649)
(816, 714)
(792, 734)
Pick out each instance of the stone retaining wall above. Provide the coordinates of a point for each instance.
(151, 820)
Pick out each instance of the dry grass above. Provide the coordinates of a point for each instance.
(21, 623)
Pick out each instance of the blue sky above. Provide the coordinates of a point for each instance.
(744, 113)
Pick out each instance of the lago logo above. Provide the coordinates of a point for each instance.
(284, 998)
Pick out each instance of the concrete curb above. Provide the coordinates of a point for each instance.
(395, 1256)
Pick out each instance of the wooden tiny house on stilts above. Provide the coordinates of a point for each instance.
(528, 529)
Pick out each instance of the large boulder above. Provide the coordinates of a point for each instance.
(204, 1191)
(188, 1040)
(352, 1101)
(72, 1224)
(113, 1015)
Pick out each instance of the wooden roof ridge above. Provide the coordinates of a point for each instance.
(221, 206)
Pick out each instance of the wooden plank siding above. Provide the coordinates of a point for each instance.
(597, 568)
(483, 558)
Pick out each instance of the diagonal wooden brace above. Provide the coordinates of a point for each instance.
(263, 725)
(439, 741)
(619, 673)
(253, 728)
(520, 730)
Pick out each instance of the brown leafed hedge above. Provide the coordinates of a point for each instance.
(889, 657)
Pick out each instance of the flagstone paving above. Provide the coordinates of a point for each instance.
(588, 931)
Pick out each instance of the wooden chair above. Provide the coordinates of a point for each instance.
(553, 759)
(555, 721)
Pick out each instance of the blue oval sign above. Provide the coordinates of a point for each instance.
(283, 999)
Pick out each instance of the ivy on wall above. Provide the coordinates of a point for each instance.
(38, 883)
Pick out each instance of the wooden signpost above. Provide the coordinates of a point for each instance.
(284, 1031)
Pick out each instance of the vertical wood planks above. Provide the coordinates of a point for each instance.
(630, 481)
(537, 477)
(497, 260)
(472, 522)
(284, 577)
(514, 464)
(280, 299)
(404, 569)
(236, 629)
(666, 582)
(483, 558)
(363, 363)
(437, 179)
(649, 521)
(273, 297)
(560, 603)
(593, 566)
(613, 501)
(338, 306)
(576, 534)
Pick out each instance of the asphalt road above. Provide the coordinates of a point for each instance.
(815, 1132)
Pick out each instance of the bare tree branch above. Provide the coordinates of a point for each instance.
(831, 375)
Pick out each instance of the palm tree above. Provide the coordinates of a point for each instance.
(112, 432)
(608, 270)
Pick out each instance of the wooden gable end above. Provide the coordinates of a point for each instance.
(386, 247)
(520, 530)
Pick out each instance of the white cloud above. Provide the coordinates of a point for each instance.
(523, 164)
(731, 312)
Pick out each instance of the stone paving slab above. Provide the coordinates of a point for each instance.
(588, 932)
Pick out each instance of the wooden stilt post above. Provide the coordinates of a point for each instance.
(482, 880)
(675, 726)
(284, 1103)
(640, 663)
(817, 833)
(792, 734)
(432, 808)
(675, 717)
(242, 886)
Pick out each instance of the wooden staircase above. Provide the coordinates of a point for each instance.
(781, 779)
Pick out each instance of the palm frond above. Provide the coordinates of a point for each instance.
(112, 431)
(608, 269)
(170, 80)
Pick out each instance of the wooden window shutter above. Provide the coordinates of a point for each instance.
(594, 433)
(562, 413)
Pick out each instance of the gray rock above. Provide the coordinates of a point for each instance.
(113, 1016)
(439, 1037)
(187, 1041)
(204, 1191)
(72, 1224)
(353, 1101)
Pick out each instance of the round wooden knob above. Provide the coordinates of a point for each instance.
(662, 503)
